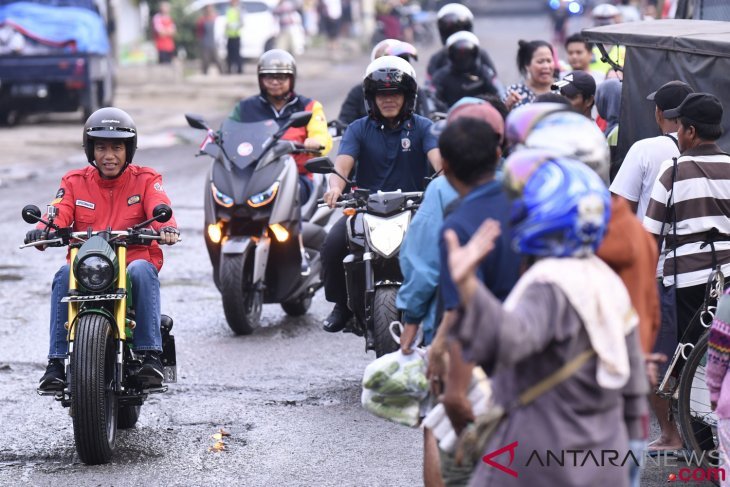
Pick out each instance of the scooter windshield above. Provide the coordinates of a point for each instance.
(244, 142)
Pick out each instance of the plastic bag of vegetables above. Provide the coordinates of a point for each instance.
(394, 386)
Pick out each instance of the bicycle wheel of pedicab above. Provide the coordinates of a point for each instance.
(92, 389)
(697, 421)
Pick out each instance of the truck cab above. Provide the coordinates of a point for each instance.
(55, 56)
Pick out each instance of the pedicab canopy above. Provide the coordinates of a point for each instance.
(694, 51)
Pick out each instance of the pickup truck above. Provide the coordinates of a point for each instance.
(61, 63)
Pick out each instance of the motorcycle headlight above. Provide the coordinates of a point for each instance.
(221, 198)
(386, 234)
(95, 272)
(265, 197)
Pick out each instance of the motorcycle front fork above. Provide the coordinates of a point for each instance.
(367, 258)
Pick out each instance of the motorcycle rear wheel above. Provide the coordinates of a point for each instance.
(242, 304)
(384, 313)
(128, 416)
(297, 307)
(93, 401)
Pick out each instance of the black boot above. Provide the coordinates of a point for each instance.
(55, 377)
(151, 372)
(337, 319)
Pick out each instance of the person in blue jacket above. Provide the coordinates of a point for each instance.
(419, 259)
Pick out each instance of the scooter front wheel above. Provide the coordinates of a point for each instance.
(242, 304)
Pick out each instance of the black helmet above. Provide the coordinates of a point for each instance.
(110, 123)
(277, 61)
(463, 49)
(454, 17)
(390, 73)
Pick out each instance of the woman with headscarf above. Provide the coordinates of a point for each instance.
(567, 302)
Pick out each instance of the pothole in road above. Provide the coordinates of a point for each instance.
(10, 277)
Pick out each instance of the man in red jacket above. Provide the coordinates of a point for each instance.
(112, 193)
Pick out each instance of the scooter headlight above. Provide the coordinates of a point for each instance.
(221, 198)
(265, 197)
(95, 272)
(386, 234)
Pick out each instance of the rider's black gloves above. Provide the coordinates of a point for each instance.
(170, 230)
(34, 235)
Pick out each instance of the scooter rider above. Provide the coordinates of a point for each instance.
(277, 100)
(112, 193)
(392, 147)
(453, 18)
(277, 74)
(466, 74)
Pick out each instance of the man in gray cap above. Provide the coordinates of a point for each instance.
(637, 173)
(696, 232)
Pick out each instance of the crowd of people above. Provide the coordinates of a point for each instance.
(535, 250)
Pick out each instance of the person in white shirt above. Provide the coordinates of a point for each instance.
(637, 173)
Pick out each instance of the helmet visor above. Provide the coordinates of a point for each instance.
(519, 167)
(110, 132)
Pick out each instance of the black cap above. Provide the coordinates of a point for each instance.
(698, 107)
(670, 95)
(577, 82)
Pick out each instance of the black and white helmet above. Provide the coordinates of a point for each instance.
(110, 123)
(389, 74)
(452, 18)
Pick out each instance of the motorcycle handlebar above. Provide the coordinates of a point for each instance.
(144, 234)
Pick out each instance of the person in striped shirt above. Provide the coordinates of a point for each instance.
(692, 190)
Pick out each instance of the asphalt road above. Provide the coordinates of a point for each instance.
(289, 395)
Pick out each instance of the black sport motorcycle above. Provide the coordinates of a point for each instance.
(103, 391)
(252, 229)
(376, 226)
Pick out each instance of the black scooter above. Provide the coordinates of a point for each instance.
(252, 229)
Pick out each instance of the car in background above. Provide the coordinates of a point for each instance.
(259, 30)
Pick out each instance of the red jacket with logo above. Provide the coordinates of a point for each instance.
(86, 200)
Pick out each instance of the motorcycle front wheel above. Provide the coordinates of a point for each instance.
(242, 304)
(93, 401)
(384, 313)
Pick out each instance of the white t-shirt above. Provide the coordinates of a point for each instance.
(639, 170)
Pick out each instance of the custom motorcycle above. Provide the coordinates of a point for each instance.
(376, 226)
(252, 230)
(102, 389)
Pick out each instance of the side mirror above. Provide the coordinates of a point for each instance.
(196, 121)
(300, 119)
(31, 214)
(320, 165)
(162, 213)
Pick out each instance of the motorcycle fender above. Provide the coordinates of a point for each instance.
(261, 258)
(236, 245)
(93, 311)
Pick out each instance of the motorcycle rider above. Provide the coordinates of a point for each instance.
(392, 147)
(354, 105)
(112, 193)
(453, 18)
(465, 75)
(277, 75)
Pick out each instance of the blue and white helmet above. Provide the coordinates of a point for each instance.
(561, 207)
